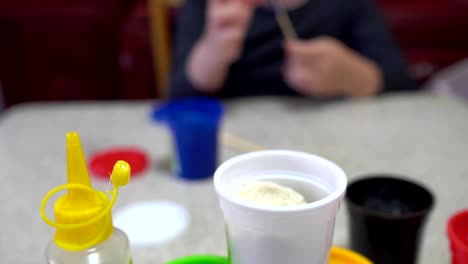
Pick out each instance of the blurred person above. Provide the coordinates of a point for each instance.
(228, 48)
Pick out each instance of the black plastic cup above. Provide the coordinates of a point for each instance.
(386, 218)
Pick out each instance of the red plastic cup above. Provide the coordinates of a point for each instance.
(457, 230)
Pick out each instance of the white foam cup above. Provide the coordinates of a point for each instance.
(262, 234)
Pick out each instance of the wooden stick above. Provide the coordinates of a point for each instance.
(284, 21)
(239, 144)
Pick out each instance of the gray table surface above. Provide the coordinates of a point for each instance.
(421, 136)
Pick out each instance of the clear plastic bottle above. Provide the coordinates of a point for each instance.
(115, 250)
(83, 220)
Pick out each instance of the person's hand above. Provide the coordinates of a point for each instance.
(325, 67)
(226, 27)
(227, 22)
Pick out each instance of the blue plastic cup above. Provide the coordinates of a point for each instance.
(194, 123)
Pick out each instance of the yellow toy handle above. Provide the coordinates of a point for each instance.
(103, 213)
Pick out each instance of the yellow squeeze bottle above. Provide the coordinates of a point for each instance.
(83, 220)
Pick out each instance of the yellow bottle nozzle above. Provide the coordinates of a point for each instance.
(83, 215)
(77, 172)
